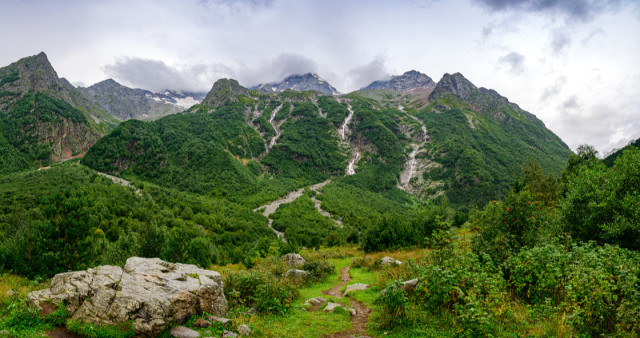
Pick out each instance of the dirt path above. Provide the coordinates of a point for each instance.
(360, 319)
(122, 182)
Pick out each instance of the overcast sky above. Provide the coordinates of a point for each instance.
(573, 63)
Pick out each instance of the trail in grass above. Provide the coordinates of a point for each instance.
(360, 319)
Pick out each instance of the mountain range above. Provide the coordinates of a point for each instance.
(400, 137)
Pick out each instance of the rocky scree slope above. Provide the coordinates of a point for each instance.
(309, 81)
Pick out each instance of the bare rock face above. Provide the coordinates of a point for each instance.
(148, 291)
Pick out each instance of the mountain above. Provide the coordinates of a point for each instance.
(44, 118)
(126, 103)
(309, 81)
(410, 81)
(467, 143)
(610, 158)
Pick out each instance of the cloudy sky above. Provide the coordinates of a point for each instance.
(573, 63)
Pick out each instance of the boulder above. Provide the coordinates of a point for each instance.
(333, 306)
(389, 261)
(184, 332)
(244, 330)
(355, 287)
(228, 334)
(315, 301)
(149, 292)
(293, 259)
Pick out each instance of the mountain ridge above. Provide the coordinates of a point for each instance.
(298, 82)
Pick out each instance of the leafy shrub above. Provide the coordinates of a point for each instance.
(124, 330)
(389, 233)
(262, 290)
(394, 306)
(319, 269)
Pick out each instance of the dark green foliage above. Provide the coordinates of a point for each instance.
(505, 227)
(389, 233)
(262, 290)
(603, 204)
(98, 222)
(336, 111)
(301, 223)
(192, 151)
(595, 285)
(394, 306)
(480, 162)
(306, 150)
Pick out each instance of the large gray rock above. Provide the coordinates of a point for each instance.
(293, 259)
(149, 292)
(315, 301)
(295, 273)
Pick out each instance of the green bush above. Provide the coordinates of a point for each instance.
(389, 233)
(394, 304)
(262, 290)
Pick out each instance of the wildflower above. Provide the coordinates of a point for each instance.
(532, 217)
(507, 209)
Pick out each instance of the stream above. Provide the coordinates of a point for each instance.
(277, 129)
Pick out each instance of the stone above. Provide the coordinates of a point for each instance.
(252, 311)
(315, 301)
(389, 261)
(293, 259)
(228, 334)
(201, 323)
(296, 273)
(184, 332)
(4, 333)
(355, 287)
(149, 292)
(410, 285)
(244, 330)
(10, 293)
(225, 321)
(333, 306)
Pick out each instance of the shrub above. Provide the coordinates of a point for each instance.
(394, 306)
(259, 289)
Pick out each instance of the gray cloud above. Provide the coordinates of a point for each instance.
(277, 69)
(156, 76)
(514, 62)
(560, 40)
(373, 71)
(553, 90)
(578, 10)
(570, 103)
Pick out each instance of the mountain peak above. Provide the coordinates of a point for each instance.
(455, 84)
(299, 82)
(223, 90)
(410, 81)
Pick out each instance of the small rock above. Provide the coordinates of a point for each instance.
(201, 323)
(315, 301)
(244, 330)
(389, 261)
(4, 333)
(355, 287)
(225, 321)
(252, 311)
(295, 273)
(410, 285)
(9, 294)
(332, 306)
(228, 334)
(293, 259)
(184, 332)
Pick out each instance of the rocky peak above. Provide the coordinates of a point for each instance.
(410, 81)
(223, 90)
(455, 84)
(308, 81)
(30, 74)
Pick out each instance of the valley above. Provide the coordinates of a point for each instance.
(456, 212)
